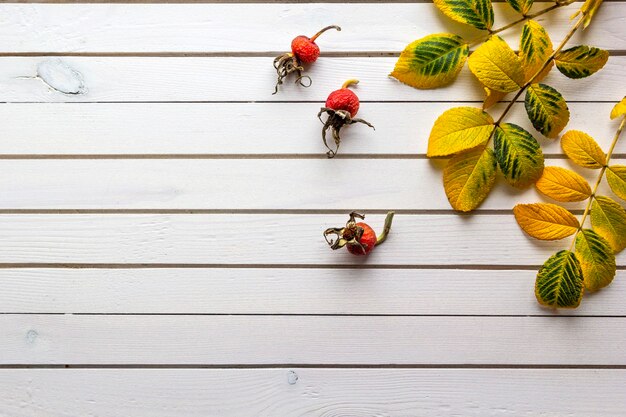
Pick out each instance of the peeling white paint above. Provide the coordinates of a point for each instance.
(292, 377)
(61, 77)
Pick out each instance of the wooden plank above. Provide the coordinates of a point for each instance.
(218, 128)
(114, 79)
(286, 291)
(261, 27)
(348, 340)
(235, 184)
(267, 239)
(312, 392)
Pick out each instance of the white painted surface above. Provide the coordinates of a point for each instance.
(206, 196)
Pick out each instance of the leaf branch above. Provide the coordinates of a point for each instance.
(599, 180)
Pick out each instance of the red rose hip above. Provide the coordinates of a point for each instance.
(304, 50)
(359, 238)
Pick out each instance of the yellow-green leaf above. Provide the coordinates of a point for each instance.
(562, 184)
(582, 149)
(534, 50)
(588, 10)
(459, 129)
(492, 97)
(521, 6)
(478, 13)
(545, 221)
(559, 282)
(608, 219)
(616, 177)
(518, 154)
(431, 62)
(581, 61)
(596, 258)
(469, 177)
(546, 109)
(619, 109)
(496, 66)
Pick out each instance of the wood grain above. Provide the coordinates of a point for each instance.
(198, 129)
(261, 27)
(267, 239)
(237, 79)
(287, 291)
(244, 184)
(348, 340)
(291, 392)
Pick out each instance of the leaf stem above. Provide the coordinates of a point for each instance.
(599, 180)
(518, 21)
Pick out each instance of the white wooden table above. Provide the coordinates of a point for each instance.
(161, 215)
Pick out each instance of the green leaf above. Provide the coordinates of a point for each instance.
(469, 177)
(431, 62)
(581, 61)
(521, 6)
(616, 177)
(596, 258)
(546, 109)
(559, 282)
(608, 219)
(534, 50)
(497, 66)
(478, 13)
(459, 129)
(518, 154)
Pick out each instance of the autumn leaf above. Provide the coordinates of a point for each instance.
(496, 66)
(616, 177)
(608, 219)
(588, 10)
(581, 61)
(583, 150)
(596, 258)
(559, 283)
(492, 97)
(518, 154)
(477, 13)
(431, 62)
(619, 109)
(521, 6)
(534, 51)
(469, 177)
(545, 221)
(546, 109)
(459, 129)
(562, 184)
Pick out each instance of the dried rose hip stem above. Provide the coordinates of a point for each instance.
(324, 30)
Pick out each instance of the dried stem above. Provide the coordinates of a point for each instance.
(599, 180)
(383, 236)
(324, 30)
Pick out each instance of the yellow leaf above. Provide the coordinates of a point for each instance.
(581, 61)
(521, 6)
(468, 178)
(534, 50)
(492, 97)
(431, 62)
(582, 149)
(616, 177)
(478, 13)
(546, 109)
(597, 259)
(619, 109)
(545, 221)
(562, 184)
(608, 219)
(496, 66)
(588, 10)
(459, 129)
